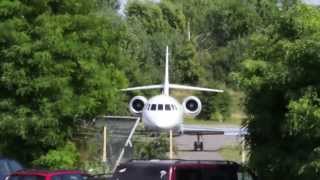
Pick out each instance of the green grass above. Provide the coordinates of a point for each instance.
(231, 152)
(209, 122)
(237, 112)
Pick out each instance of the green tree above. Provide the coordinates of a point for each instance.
(149, 15)
(66, 157)
(280, 77)
(186, 68)
(231, 20)
(216, 107)
(156, 148)
(60, 62)
(153, 27)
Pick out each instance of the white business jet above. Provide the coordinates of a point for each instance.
(163, 112)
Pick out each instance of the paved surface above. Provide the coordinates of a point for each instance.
(212, 144)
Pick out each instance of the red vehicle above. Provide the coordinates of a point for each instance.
(181, 170)
(48, 175)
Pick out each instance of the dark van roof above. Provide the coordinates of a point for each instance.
(179, 162)
(153, 169)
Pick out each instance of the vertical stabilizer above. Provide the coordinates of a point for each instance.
(166, 76)
(166, 85)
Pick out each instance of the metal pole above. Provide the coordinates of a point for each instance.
(243, 151)
(104, 153)
(128, 142)
(189, 33)
(171, 145)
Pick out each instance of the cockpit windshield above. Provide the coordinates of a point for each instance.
(153, 107)
(161, 107)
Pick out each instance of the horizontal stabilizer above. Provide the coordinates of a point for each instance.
(177, 86)
(157, 86)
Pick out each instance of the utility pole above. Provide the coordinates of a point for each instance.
(243, 150)
(189, 33)
(171, 144)
(104, 153)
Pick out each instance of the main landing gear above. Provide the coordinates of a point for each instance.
(198, 144)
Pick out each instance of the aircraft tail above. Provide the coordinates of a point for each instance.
(166, 75)
(166, 86)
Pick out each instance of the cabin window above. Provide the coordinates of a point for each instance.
(167, 107)
(160, 107)
(153, 107)
(172, 107)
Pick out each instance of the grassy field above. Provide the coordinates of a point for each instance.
(209, 122)
(237, 112)
(237, 109)
(231, 152)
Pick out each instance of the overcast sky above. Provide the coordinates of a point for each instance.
(317, 2)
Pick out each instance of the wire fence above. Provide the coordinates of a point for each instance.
(115, 138)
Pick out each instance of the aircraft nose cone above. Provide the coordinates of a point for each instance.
(165, 125)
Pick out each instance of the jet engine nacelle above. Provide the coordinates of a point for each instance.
(136, 104)
(192, 106)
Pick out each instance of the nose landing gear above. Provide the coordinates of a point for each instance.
(198, 144)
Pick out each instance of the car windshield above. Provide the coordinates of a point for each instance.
(142, 172)
(9, 166)
(14, 166)
(4, 169)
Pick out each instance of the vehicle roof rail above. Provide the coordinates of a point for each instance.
(183, 161)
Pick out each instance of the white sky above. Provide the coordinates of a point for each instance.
(123, 3)
(317, 2)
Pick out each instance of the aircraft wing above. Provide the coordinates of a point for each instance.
(228, 131)
(177, 86)
(156, 86)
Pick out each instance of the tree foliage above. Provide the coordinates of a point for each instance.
(65, 157)
(216, 107)
(280, 77)
(60, 62)
(157, 148)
